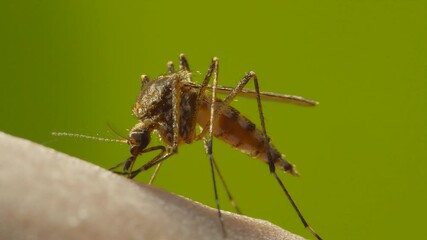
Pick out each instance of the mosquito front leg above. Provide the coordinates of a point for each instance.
(125, 162)
(129, 163)
(163, 155)
(213, 69)
(156, 171)
(228, 99)
(208, 143)
(270, 157)
(176, 103)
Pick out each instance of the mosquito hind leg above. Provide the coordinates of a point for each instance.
(127, 164)
(306, 225)
(156, 171)
(230, 97)
(271, 161)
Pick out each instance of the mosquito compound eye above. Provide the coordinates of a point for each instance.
(138, 141)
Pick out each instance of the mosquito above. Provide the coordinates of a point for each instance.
(173, 106)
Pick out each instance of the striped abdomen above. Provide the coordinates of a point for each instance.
(239, 132)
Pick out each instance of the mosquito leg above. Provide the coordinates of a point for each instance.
(208, 140)
(268, 147)
(212, 67)
(127, 164)
(158, 159)
(171, 68)
(156, 171)
(212, 70)
(230, 197)
(128, 168)
(296, 208)
(226, 102)
(176, 102)
(176, 107)
(132, 174)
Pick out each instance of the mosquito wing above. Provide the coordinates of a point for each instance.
(269, 96)
(250, 93)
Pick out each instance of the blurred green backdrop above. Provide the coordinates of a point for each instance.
(74, 66)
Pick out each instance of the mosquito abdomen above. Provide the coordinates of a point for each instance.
(236, 130)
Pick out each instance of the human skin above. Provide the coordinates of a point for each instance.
(45, 194)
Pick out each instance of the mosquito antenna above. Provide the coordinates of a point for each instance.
(76, 135)
(115, 131)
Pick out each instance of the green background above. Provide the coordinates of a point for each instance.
(74, 66)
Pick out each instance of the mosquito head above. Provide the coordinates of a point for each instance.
(138, 140)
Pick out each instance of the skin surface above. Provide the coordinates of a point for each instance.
(46, 194)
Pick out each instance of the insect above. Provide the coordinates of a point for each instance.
(174, 106)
